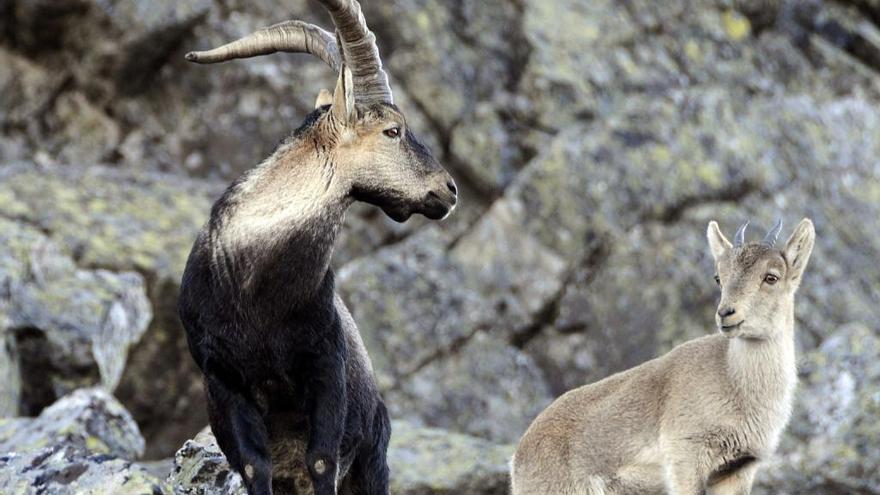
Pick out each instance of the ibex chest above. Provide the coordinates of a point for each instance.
(763, 378)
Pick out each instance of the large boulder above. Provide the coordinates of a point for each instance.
(486, 388)
(87, 418)
(432, 461)
(410, 303)
(63, 327)
(423, 461)
(64, 470)
(120, 221)
(81, 444)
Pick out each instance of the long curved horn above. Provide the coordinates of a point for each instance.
(773, 234)
(359, 51)
(740, 238)
(289, 36)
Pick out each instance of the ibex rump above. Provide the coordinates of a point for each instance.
(696, 420)
(291, 395)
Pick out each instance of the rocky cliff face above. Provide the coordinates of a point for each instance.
(592, 140)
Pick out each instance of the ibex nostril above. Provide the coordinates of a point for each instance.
(725, 312)
(451, 185)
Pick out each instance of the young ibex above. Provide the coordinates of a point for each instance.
(291, 395)
(698, 419)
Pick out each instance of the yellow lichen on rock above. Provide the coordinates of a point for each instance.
(736, 25)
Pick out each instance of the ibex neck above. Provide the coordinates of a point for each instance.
(764, 372)
(280, 223)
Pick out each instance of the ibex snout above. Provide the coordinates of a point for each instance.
(726, 311)
(728, 318)
(442, 198)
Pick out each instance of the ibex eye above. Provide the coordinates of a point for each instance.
(392, 132)
(771, 279)
(718, 280)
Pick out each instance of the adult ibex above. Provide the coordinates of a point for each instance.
(291, 395)
(698, 419)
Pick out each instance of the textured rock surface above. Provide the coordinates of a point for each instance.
(62, 469)
(120, 221)
(431, 461)
(444, 355)
(87, 418)
(63, 327)
(200, 468)
(83, 443)
(487, 388)
(423, 461)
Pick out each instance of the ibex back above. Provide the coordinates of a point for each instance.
(291, 394)
(696, 420)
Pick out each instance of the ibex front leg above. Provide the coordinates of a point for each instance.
(327, 417)
(241, 433)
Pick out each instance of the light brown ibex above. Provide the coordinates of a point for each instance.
(696, 420)
(291, 394)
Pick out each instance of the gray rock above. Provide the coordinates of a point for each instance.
(515, 275)
(486, 152)
(431, 461)
(10, 374)
(89, 419)
(62, 469)
(486, 388)
(419, 312)
(63, 327)
(423, 461)
(25, 89)
(410, 304)
(78, 445)
(151, 33)
(126, 220)
(201, 469)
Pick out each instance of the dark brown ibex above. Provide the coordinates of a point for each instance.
(696, 420)
(291, 394)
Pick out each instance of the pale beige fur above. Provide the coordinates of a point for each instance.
(696, 420)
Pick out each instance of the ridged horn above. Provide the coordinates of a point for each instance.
(740, 238)
(288, 36)
(359, 51)
(773, 234)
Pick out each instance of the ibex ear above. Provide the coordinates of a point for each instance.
(717, 242)
(343, 98)
(325, 97)
(798, 248)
